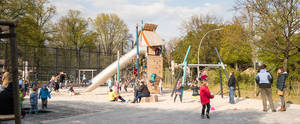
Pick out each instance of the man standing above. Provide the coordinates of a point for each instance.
(231, 85)
(264, 80)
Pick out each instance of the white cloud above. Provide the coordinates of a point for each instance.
(158, 12)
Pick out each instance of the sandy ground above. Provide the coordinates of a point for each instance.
(94, 108)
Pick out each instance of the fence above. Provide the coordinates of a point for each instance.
(46, 61)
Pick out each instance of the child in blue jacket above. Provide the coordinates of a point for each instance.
(34, 101)
(44, 94)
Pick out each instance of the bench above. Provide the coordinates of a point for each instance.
(6, 117)
(152, 98)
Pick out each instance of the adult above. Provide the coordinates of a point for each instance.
(142, 91)
(231, 86)
(264, 80)
(62, 77)
(281, 87)
(51, 83)
(56, 82)
(6, 95)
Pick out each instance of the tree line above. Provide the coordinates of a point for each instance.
(263, 31)
(107, 33)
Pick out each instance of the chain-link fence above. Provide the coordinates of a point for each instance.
(43, 62)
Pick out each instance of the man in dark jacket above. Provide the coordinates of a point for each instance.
(231, 85)
(142, 91)
(264, 80)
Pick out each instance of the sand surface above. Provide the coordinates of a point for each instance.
(94, 108)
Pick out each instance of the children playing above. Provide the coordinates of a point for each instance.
(44, 94)
(34, 101)
(205, 97)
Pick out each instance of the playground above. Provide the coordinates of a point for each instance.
(87, 70)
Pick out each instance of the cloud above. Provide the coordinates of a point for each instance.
(168, 17)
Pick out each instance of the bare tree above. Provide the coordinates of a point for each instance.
(276, 22)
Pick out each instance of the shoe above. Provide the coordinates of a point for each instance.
(202, 116)
(282, 109)
(265, 110)
(207, 116)
(274, 110)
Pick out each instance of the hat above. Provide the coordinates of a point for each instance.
(44, 85)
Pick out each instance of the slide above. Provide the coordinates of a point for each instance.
(109, 71)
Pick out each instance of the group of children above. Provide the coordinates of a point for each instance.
(43, 94)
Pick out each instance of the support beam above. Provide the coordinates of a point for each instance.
(203, 65)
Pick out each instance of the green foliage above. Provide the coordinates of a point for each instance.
(235, 48)
(112, 33)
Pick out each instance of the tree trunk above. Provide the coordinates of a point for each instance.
(285, 63)
(236, 66)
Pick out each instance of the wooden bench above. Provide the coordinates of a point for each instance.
(6, 117)
(152, 98)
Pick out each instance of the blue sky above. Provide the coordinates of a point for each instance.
(168, 14)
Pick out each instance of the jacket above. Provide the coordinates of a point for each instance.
(231, 81)
(195, 90)
(281, 81)
(112, 96)
(34, 98)
(264, 79)
(143, 89)
(205, 95)
(44, 93)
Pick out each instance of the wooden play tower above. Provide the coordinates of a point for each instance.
(154, 60)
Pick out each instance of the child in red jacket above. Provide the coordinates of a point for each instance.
(205, 97)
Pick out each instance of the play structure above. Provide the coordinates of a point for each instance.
(220, 65)
(149, 47)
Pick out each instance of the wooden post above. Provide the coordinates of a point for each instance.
(14, 72)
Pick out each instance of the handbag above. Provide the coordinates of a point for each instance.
(280, 93)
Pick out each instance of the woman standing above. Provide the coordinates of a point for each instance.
(281, 87)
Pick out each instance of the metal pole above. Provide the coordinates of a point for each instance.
(221, 84)
(221, 62)
(198, 69)
(118, 70)
(184, 69)
(56, 59)
(137, 51)
(14, 72)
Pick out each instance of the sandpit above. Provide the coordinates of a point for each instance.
(94, 108)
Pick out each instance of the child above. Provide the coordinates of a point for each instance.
(195, 89)
(44, 94)
(114, 97)
(34, 101)
(72, 91)
(281, 87)
(205, 95)
(178, 91)
(21, 95)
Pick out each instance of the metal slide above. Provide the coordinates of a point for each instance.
(112, 68)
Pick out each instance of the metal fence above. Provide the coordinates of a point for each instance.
(43, 62)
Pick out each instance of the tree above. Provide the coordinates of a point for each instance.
(71, 31)
(112, 33)
(235, 48)
(13, 9)
(195, 28)
(276, 22)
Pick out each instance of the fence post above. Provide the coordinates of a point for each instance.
(14, 72)
(56, 59)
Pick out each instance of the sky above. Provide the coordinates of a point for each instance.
(167, 14)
